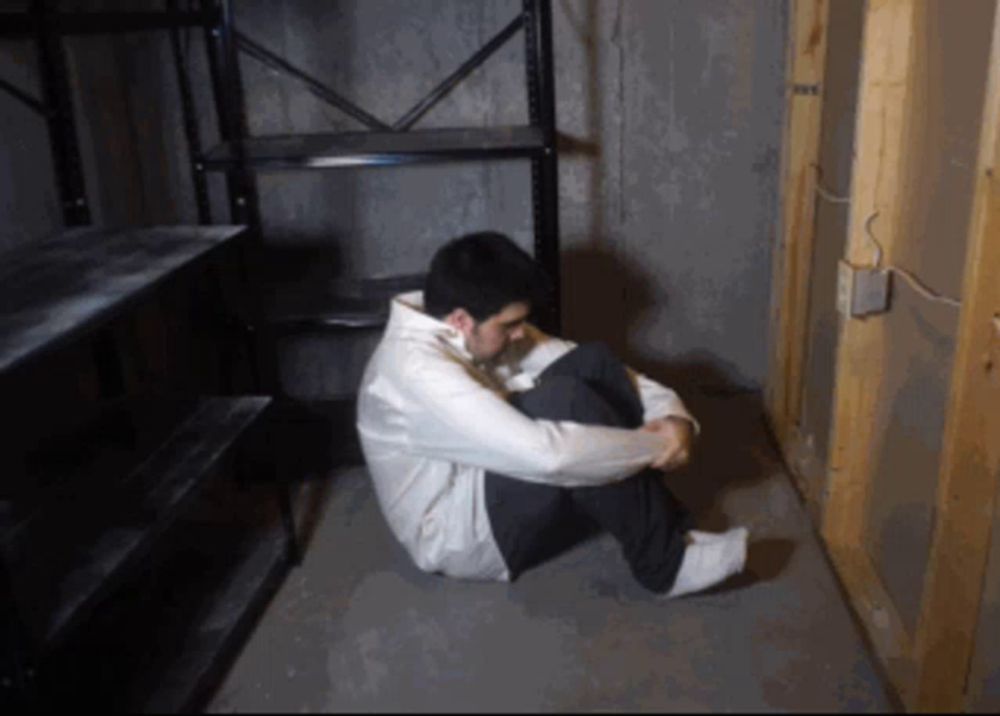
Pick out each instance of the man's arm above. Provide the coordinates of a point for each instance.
(679, 436)
(660, 402)
(539, 350)
(466, 422)
(664, 413)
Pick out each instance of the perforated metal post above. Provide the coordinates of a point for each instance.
(191, 130)
(57, 97)
(544, 170)
(243, 201)
(228, 92)
(245, 209)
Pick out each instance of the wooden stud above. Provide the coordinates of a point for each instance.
(880, 142)
(806, 59)
(930, 667)
(970, 465)
(884, 96)
(808, 471)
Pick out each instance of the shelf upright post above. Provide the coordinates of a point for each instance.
(540, 70)
(228, 91)
(245, 209)
(191, 130)
(58, 100)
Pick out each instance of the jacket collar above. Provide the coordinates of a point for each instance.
(406, 314)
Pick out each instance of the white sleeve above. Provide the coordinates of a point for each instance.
(463, 421)
(658, 401)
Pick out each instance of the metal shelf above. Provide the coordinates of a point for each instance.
(90, 530)
(334, 303)
(26, 24)
(205, 600)
(62, 290)
(58, 289)
(245, 578)
(358, 149)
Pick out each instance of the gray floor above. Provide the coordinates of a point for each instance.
(357, 627)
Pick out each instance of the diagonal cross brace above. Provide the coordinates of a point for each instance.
(438, 93)
(270, 59)
(265, 56)
(34, 103)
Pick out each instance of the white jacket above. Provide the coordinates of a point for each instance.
(431, 422)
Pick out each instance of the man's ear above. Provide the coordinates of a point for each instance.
(461, 320)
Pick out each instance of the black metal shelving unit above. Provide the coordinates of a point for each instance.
(277, 309)
(309, 305)
(239, 156)
(88, 505)
(358, 149)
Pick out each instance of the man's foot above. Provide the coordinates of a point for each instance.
(710, 559)
(699, 536)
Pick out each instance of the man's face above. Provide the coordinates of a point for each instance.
(485, 340)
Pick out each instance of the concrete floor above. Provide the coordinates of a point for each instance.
(358, 628)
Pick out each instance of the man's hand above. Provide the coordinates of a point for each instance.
(678, 435)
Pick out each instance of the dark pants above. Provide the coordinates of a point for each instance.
(532, 522)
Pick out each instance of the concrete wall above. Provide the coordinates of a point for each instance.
(669, 114)
(682, 198)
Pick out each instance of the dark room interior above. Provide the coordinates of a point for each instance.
(210, 211)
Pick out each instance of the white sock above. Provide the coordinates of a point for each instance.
(710, 561)
(699, 536)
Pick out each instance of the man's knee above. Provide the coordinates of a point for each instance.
(552, 397)
(597, 352)
(566, 397)
(595, 363)
(586, 360)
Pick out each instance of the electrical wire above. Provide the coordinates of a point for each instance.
(826, 193)
(830, 196)
(915, 283)
(871, 237)
(923, 290)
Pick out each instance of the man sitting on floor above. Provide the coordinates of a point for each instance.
(492, 445)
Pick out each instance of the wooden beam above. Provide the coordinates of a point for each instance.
(970, 465)
(806, 60)
(885, 94)
(808, 472)
(880, 142)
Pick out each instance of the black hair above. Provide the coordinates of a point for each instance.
(482, 272)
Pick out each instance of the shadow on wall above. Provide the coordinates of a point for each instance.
(605, 296)
(585, 27)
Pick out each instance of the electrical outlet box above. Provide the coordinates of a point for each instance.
(862, 291)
